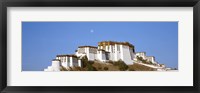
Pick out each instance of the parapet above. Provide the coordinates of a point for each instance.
(105, 43)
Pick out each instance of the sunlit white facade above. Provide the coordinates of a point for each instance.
(64, 61)
(106, 51)
(143, 55)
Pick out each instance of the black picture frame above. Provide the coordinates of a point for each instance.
(99, 3)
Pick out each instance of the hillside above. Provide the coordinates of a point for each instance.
(139, 67)
(109, 66)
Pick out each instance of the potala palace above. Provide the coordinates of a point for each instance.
(106, 51)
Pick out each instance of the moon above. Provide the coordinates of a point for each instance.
(91, 30)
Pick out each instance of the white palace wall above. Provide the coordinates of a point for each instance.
(125, 54)
(105, 51)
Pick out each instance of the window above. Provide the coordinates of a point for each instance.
(118, 48)
(68, 59)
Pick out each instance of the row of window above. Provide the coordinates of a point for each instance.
(63, 59)
(112, 48)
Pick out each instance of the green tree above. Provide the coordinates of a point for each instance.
(90, 67)
(87, 64)
(84, 61)
(122, 66)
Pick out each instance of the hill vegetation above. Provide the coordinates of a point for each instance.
(107, 66)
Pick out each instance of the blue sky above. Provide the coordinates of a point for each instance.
(42, 41)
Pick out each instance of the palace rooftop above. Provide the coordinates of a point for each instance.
(105, 43)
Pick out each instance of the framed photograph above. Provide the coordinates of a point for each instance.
(100, 46)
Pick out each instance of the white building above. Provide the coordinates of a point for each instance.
(143, 55)
(151, 59)
(140, 54)
(55, 66)
(108, 50)
(65, 61)
(89, 51)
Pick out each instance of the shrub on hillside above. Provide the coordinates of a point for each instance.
(105, 68)
(122, 66)
(84, 61)
(87, 64)
(140, 58)
(63, 68)
(90, 67)
(111, 62)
